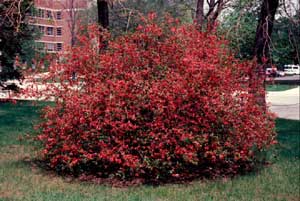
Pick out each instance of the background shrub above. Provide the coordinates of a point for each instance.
(165, 101)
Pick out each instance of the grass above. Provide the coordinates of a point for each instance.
(280, 87)
(21, 181)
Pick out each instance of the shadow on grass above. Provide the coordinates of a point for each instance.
(17, 120)
(288, 138)
(280, 87)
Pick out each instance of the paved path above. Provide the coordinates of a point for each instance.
(291, 77)
(285, 103)
(294, 79)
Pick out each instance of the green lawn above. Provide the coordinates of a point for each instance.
(280, 87)
(21, 181)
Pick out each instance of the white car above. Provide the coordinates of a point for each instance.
(292, 69)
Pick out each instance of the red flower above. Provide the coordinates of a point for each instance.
(155, 103)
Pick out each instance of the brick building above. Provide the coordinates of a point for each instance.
(57, 21)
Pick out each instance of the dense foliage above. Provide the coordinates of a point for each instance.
(166, 101)
(124, 16)
(16, 37)
(239, 26)
(286, 40)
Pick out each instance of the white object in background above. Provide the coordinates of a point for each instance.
(292, 69)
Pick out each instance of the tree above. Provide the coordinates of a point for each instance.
(15, 32)
(73, 14)
(73, 9)
(262, 47)
(214, 9)
(264, 30)
(126, 15)
(89, 15)
(103, 13)
(239, 27)
(286, 34)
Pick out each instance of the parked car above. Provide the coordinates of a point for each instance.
(273, 72)
(292, 69)
(280, 73)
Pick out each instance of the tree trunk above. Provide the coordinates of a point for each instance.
(200, 13)
(262, 49)
(264, 30)
(103, 13)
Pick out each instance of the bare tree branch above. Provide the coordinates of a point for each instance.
(12, 15)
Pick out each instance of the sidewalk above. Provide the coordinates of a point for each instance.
(285, 103)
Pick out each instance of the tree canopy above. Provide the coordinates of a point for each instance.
(16, 36)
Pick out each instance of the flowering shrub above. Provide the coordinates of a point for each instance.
(166, 101)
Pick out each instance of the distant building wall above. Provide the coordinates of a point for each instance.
(54, 19)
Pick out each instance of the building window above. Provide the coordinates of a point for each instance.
(41, 29)
(40, 13)
(49, 14)
(50, 31)
(50, 47)
(59, 31)
(58, 15)
(58, 46)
